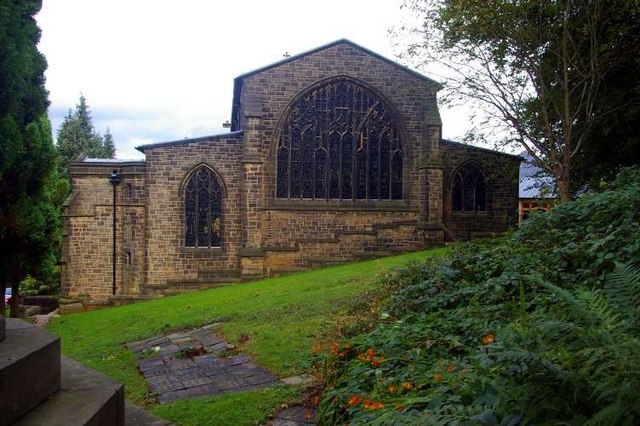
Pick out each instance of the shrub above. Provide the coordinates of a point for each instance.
(536, 327)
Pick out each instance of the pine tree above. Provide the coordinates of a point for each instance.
(77, 136)
(108, 147)
(29, 219)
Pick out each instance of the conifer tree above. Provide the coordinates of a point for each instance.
(108, 146)
(77, 135)
(29, 218)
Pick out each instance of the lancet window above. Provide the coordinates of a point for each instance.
(203, 209)
(469, 189)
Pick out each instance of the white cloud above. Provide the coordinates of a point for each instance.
(162, 70)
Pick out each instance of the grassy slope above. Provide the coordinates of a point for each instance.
(281, 316)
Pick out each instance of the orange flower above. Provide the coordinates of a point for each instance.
(407, 386)
(437, 377)
(372, 405)
(355, 399)
(371, 353)
(392, 389)
(488, 339)
(451, 368)
(362, 357)
(316, 348)
(375, 363)
(315, 401)
(335, 348)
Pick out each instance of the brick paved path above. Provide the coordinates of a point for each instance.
(173, 376)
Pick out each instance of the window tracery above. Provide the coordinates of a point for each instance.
(469, 189)
(203, 209)
(340, 142)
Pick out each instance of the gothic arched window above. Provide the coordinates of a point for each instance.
(469, 189)
(340, 141)
(203, 209)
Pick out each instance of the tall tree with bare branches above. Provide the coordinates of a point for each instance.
(536, 69)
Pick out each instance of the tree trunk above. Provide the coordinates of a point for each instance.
(564, 193)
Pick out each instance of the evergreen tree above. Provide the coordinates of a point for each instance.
(77, 135)
(108, 147)
(29, 219)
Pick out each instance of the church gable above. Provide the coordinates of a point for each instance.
(269, 91)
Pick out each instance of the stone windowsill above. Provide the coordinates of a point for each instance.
(333, 205)
(469, 214)
(203, 250)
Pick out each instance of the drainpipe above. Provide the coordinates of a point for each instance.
(114, 180)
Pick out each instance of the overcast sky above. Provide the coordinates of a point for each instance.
(162, 70)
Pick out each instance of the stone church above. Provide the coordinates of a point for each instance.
(333, 155)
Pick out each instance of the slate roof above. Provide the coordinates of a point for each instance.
(111, 161)
(478, 148)
(186, 141)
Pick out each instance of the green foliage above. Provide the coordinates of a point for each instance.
(559, 78)
(538, 327)
(29, 217)
(77, 135)
(31, 286)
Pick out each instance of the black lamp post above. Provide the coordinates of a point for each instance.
(114, 180)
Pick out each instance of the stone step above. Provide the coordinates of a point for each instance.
(86, 397)
(29, 368)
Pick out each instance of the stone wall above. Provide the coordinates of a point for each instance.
(86, 264)
(168, 166)
(502, 187)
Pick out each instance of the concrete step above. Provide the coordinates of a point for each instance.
(86, 397)
(29, 368)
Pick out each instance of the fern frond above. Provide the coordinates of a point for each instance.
(601, 309)
(622, 287)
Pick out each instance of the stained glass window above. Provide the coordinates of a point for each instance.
(469, 189)
(203, 209)
(340, 142)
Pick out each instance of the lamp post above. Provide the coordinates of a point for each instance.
(114, 180)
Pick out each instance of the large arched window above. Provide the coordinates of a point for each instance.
(203, 209)
(469, 189)
(340, 141)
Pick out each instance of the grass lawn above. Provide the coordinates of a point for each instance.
(278, 319)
